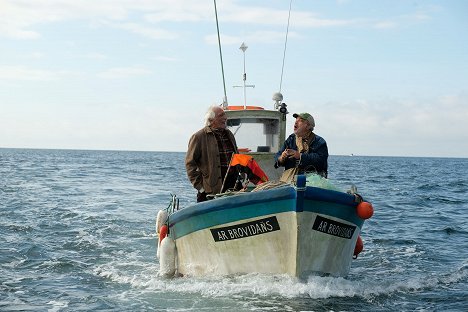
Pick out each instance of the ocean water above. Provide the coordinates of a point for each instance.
(77, 234)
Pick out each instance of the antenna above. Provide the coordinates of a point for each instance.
(285, 44)
(244, 47)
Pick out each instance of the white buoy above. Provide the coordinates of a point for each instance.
(161, 235)
(160, 219)
(167, 257)
(157, 251)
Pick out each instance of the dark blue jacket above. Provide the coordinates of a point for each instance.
(314, 160)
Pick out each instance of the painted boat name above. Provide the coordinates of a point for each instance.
(243, 230)
(334, 228)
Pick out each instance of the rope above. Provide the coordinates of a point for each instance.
(269, 185)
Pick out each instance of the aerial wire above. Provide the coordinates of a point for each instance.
(285, 44)
(225, 103)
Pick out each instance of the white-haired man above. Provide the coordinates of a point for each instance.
(209, 152)
(304, 149)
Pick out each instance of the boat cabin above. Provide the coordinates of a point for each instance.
(259, 133)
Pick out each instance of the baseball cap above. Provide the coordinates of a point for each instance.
(306, 116)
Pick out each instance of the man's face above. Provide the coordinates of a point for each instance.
(219, 121)
(301, 127)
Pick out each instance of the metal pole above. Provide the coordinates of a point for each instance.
(243, 47)
(245, 78)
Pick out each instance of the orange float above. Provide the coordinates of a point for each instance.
(364, 210)
(358, 248)
(163, 232)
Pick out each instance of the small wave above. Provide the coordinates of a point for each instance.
(20, 228)
(85, 241)
(8, 189)
(63, 265)
(394, 241)
(429, 186)
(145, 277)
(453, 230)
(150, 234)
(57, 305)
(276, 286)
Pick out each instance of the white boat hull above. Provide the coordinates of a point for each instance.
(294, 231)
(284, 251)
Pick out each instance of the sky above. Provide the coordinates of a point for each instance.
(381, 78)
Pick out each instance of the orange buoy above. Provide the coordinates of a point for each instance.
(162, 232)
(364, 210)
(358, 248)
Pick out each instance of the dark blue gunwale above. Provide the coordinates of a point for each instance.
(232, 208)
(250, 205)
(332, 203)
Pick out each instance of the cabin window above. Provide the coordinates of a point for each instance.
(257, 135)
(233, 122)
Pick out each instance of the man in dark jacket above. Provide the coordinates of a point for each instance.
(208, 156)
(304, 149)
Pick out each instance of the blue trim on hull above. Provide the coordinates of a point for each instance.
(335, 210)
(255, 204)
(301, 182)
(330, 196)
(332, 203)
(232, 208)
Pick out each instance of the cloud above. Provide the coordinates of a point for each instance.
(95, 56)
(25, 73)
(181, 11)
(257, 37)
(385, 25)
(124, 72)
(34, 55)
(149, 32)
(398, 21)
(113, 127)
(396, 127)
(18, 19)
(164, 58)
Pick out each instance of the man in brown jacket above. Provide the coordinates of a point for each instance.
(208, 156)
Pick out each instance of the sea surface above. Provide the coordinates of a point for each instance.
(77, 233)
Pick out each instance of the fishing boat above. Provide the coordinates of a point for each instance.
(300, 227)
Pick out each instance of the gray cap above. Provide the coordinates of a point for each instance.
(306, 116)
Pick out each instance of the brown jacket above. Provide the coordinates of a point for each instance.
(202, 160)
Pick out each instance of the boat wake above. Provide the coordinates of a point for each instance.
(276, 286)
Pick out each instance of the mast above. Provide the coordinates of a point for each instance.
(244, 47)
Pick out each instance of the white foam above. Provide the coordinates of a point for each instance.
(145, 277)
(57, 305)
